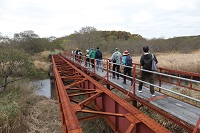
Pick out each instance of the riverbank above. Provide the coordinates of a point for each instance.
(22, 110)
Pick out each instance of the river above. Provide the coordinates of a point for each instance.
(43, 88)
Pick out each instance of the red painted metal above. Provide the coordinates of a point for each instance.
(135, 98)
(189, 75)
(196, 127)
(69, 121)
(119, 114)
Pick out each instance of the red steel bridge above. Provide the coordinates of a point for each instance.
(85, 94)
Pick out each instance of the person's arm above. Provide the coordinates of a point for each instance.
(95, 55)
(124, 60)
(120, 57)
(111, 59)
(155, 59)
(90, 54)
(142, 61)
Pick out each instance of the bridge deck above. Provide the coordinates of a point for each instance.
(182, 110)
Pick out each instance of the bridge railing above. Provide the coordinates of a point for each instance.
(179, 79)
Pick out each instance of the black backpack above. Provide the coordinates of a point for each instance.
(128, 60)
(98, 54)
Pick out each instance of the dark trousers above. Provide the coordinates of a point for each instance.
(114, 67)
(87, 63)
(127, 70)
(92, 61)
(149, 76)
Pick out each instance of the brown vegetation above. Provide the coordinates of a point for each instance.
(44, 117)
(177, 61)
(22, 111)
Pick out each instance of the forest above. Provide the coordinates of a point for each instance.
(19, 49)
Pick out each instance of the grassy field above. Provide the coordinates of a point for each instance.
(177, 61)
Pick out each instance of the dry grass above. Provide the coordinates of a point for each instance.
(25, 112)
(44, 117)
(41, 60)
(177, 61)
(42, 65)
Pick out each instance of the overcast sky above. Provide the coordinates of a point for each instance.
(149, 18)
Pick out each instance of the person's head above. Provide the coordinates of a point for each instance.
(126, 53)
(87, 50)
(91, 49)
(146, 49)
(97, 47)
(116, 49)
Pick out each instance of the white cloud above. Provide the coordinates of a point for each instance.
(149, 18)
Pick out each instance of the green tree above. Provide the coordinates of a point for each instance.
(14, 65)
(87, 37)
(30, 42)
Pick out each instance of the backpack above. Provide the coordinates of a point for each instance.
(153, 66)
(98, 54)
(115, 57)
(87, 55)
(128, 60)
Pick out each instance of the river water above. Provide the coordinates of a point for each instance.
(43, 88)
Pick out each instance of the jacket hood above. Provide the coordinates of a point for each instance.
(147, 56)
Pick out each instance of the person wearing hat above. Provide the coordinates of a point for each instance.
(146, 62)
(87, 63)
(76, 54)
(116, 58)
(127, 61)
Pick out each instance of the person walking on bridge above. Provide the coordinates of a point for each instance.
(127, 61)
(146, 63)
(98, 57)
(116, 58)
(87, 60)
(92, 56)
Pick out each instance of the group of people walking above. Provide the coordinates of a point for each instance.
(90, 56)
(124, 59)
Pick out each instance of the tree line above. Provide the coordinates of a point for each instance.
(90, 37)
(16, 52)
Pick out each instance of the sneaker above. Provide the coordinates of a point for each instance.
(113, 77)
(140, 91)
(153, 95)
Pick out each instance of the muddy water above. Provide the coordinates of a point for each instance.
(44, 88)
(47, 88)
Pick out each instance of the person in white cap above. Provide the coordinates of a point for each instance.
(87, 63)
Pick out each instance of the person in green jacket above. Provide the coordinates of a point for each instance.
(92, 56)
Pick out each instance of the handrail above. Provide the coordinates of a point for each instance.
(138, 68)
